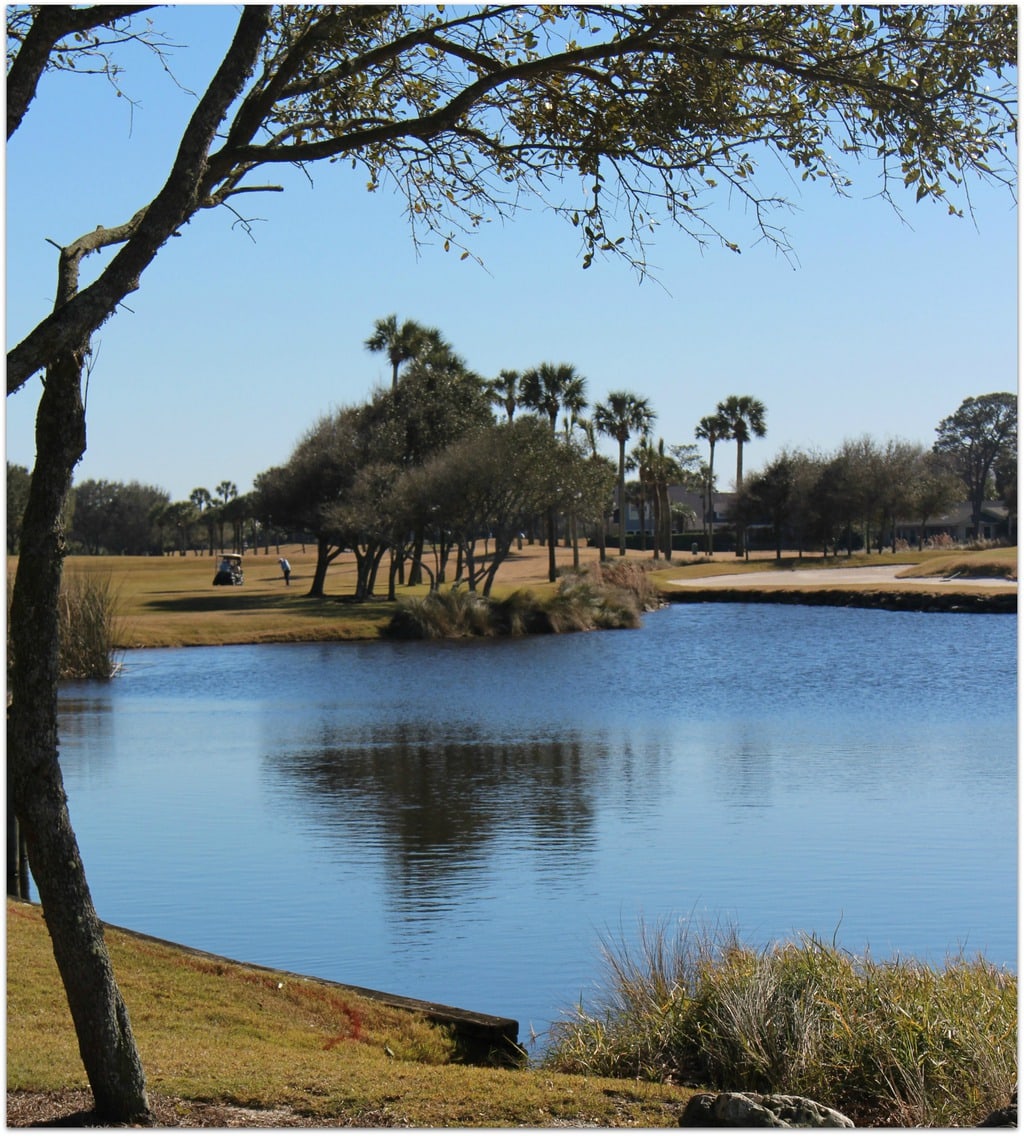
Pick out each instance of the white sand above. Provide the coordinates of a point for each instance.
(875, 574)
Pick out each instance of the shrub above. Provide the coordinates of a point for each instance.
(582, 602)
(450, 614)
(632, 577)
(897, 1043)
(518, 614)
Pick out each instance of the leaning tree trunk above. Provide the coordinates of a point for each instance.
(105, 1039)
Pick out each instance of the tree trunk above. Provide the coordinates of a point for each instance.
(104, 1033)
(17, 853)
(666, 518)
(416, 571)
(392, 574)
(622, 498)
(323, 559)
(655, 524)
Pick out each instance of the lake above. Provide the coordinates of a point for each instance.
(466, 822)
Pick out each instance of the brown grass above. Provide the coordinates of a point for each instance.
(171, 602)
(213, 1031)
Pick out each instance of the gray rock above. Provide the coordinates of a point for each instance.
(753, 1110)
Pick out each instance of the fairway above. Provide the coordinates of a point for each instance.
(171, 601)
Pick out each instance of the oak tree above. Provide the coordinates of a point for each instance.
(974, 438)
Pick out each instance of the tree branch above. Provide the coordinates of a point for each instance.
(71, 323)
(49, 25)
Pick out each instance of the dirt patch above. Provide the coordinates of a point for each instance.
(72, 1108)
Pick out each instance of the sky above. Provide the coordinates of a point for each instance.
(233, 347)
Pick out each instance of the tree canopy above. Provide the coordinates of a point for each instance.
(619, 118)
(980, 435)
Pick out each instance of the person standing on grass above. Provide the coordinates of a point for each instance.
(286, 568)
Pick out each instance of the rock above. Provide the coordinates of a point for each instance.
(1002, 1117)
(752, 1110)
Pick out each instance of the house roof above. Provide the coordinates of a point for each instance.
(994, 512)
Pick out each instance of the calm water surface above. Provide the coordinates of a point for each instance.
(465, 822)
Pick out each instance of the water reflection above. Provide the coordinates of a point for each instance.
(442, 808)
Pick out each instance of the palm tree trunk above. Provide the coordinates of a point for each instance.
(622, 497)
(666, 518)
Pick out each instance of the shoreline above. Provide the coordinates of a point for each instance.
(961, 602)
(169, 601)
(885, 587)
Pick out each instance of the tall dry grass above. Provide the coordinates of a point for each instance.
(887, 1043)
(583, 601)
(89, 629)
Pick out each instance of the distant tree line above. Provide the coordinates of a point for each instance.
(445, 470)
(854, 497)
(130, 519)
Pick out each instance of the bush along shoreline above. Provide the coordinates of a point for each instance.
(893, 1043)
(605, 596)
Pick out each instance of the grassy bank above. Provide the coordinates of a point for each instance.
(218, 1037)
(891, 1043)
(214, 1035)
(171, 602)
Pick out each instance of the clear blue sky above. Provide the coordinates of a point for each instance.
(233, 348)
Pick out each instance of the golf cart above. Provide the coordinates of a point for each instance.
(229, 571)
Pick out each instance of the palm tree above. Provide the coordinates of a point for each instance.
(402, 342)
(620, 416)
(504, 392)
(202, 501)
(574, 402)
(744, 418)
(711, 428)
(551, 386)
(547, 389)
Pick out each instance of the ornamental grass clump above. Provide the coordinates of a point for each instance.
(88, 627)
(632, 576)
(887, 1043)
(582, 602)
(451, 614)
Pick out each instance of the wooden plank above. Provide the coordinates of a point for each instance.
(480, 1038)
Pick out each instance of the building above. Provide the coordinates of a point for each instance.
(957, 525)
